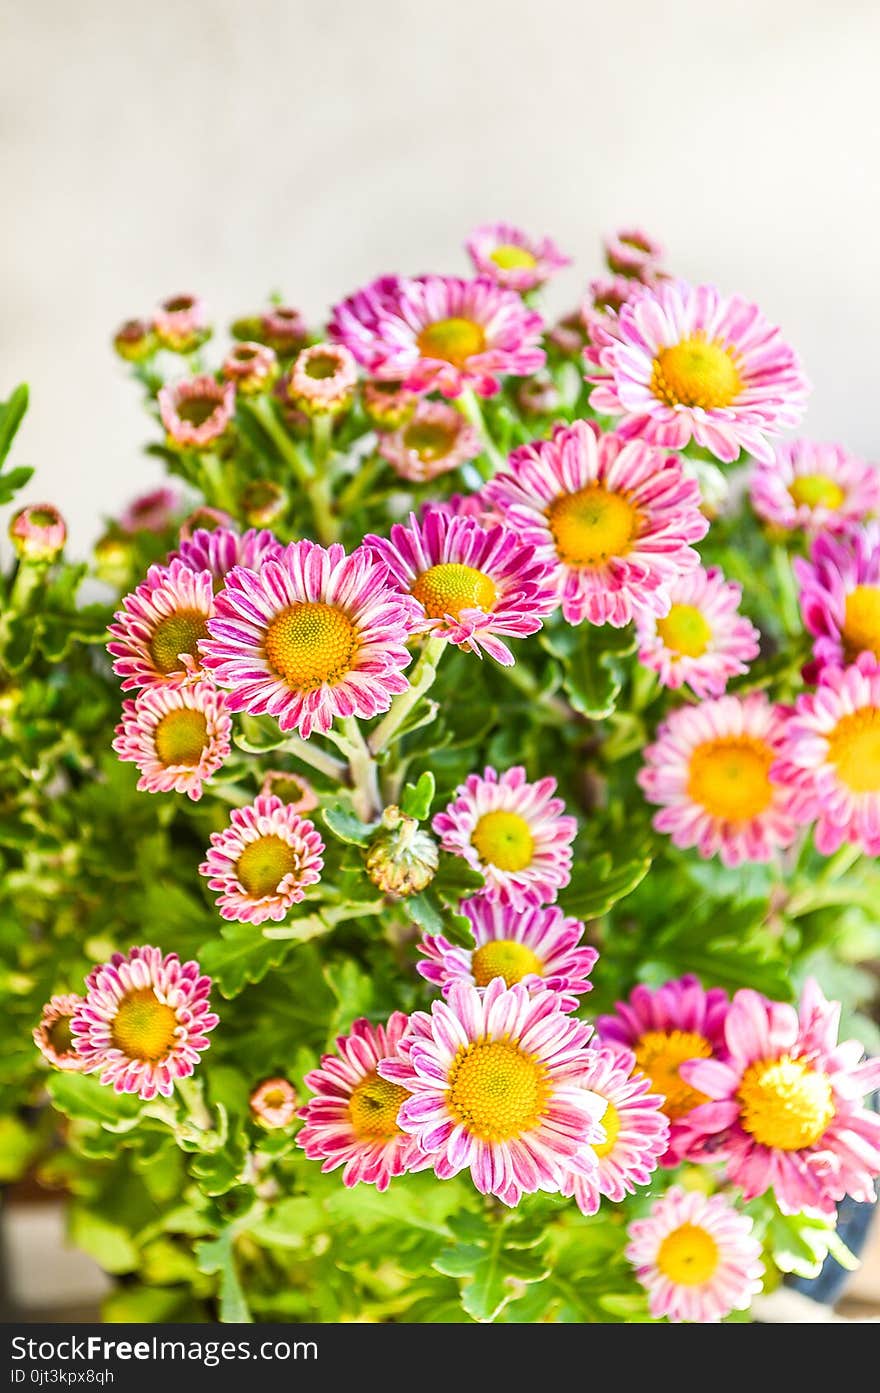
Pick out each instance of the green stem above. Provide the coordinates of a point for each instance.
(364, 775)
(363, 480)
(318, 759)
(216, 485)
(525, 681)
(322, 440)
(29, 578)
(789, 607)
(263, 409)
(470, 407)
(421, 679)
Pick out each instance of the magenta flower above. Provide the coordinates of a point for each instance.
(157, 632)
(263, 862)
(632, 252)
(178, 735)
(814, 488)
(704, 640)
(507, 255)
(151, 512)
(840, 597)
(222, 548)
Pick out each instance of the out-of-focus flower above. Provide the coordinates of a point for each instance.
(53, 1036)
(181, 323)
(322, 379)
(435, 440)
(196, 411)
(387, 405)
(273, 1103)
(253, 367)
(284, 329)
(135, 340)
(507, 255)
(840, 597)
(151, 512)
(632, 252)
(704, 640)
(292, 789)
(38, 533)
(263, 502)
(814, 488)
(204, 520)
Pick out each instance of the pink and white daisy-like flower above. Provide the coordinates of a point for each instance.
(840, 597)
(352, 1120)
(814, 488)
(785, 1109)
(252, 367)
(219, 550)
(196, 411)
(614, 518)
(314, 635)
(144, 1021)
(263, 862)
(511, 258)
(53, 1036)
(664, 1028)
(440, 333)
(606, 297)
(157, 632)
(493, 1077)
(472, 584)
(292, 789)
(830, 758)
(273, 1103)
(696, 1257)
(685, 362)
(636, 1131)
(178, 735)
(322, 379)
(38, 533)
(512, 831)
(704, 640)
(632, 252)
(434, 440)
(181, 323)
(713, 771)
(151, 512)
(537, 946)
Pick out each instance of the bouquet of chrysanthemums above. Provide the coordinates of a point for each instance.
(486, 767)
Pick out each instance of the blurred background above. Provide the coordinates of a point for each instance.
(238, 147)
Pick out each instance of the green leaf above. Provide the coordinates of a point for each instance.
(799, 1244)
(18, 1144)
(22, 632)
(239, 955)
(216, 1256)
(107, 1243)
(259, 734)
(82, 1097)
(596, 885)
(11, 415)
(13, 480)
(417, 798)
(289, 1222)
(345, 826)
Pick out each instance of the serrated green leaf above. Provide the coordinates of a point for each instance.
(106, 1242)
(216, 1256)
(417, 798)
(81, 1096)
(345, 826)
(596, 886)
(238, 955)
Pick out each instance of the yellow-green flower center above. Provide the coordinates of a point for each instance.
(321, 366)
(197, 410)
(696, 372)
(505, 958)
(786, 1104)
(861, 623)
(451, 587)
(179, 633)
(509, 257)
(854, 749)
(288, 788)
(373, 1108)
(592, 525)
(453, 340)
(817, 491)
(431, 440)
(181, 737)
(496, 1090)
(504, 840)
(61, 1035)
(263, 864)
(685, 631)
(611, 1122)
(730, 777)
(143, 1027)
(688, 1256)
(660, 1054)
(311, 643)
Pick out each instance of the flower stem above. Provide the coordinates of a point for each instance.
(361, 482)
(300, 467)
(421, 679)
(29, 578)
(216, 485)
(789, 607)
(471, 408)
(525, 681)
(364, 776)
(321, 760)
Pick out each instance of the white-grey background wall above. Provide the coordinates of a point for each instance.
(238, 146)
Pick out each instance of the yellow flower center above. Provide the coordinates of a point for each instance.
(451, 587)
(505, 958)
(817, 491)
(311, 643)
(430, 440)
(861, 624)
(321, 366)
(504, 840)
(685, 631)
(288, 788)
(197, 410)
(786, 1104)
(592, 525)
(143, 1027)
(496, 1090)
(373, 1108)
(509, 257)
(696, 372)
(659, 1054)
(854, 748)
(611, 1123)
(454, 340)
(263, 865)
(179, 633)
(275, 1098)
(688, 1256)
(61, 1036)
(730, 778)
(181, 737)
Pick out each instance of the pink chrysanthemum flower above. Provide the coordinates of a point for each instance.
(472, 584)
(292, 789)
(252, 367)
(435, 440)
(830, 758)
(537, 946)
(711, 769)
(614, 518)
(696, 1257)
(786, 1110)
(157, 632)
(632, 252)
(196, 411)
(439, 333)
(467, 505)
(352, 1119)
(178, 735)
(181, 323)
(814, 488)
(53, 1036)
(636, 1131)
(218, 551)
(315, 635)
(607, 296)
(263, 862)
(664, 1028)
(511, 258)
(704, 640)
(144, 1021)
(273, 1103)
(840, 597)
(512, 831)
(151, 512)
(323, 379)
(493, 1077)
(38, 533)
(684, 362)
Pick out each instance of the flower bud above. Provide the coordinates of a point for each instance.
(273, 1103)
(114, 559)
(387, 405)
(135, 340)
(292, 789)
(403, 859)
(322, 380)
(263, 502)
(181, 323)
(150, 512)
(205, 519)
(253, 367)
(38, 533)
(196, 411)
(284, 329)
